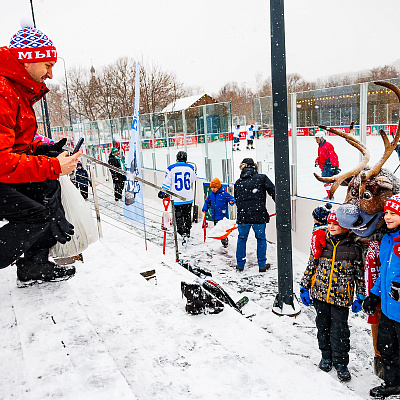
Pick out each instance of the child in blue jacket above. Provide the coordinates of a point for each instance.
(218, 201)
(386, 290)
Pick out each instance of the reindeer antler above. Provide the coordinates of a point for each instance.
(338, 179)
(389, 147)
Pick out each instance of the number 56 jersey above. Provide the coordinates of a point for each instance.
(179, 179)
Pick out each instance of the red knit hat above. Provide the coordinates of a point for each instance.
(332, 218)
(393, 204)
(30, 45)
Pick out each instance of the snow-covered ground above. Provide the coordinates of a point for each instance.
(110, 334)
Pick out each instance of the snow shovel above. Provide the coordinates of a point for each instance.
(229, 231)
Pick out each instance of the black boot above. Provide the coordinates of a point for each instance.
(343, 372)
(325, 364)
(384, 390)
(29, 272)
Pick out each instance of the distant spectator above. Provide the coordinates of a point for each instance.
(236, 138)
(118, 179)
(82, 180)
(250, 137)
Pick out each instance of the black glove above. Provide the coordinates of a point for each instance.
(162, 195)
(61, 229)
(371, 303)
(51, 150)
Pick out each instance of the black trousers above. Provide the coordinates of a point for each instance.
(333, 332)
(28, 228)
(388, 346)
(183, 219)
(119, 187)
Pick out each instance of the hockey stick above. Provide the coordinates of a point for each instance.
(127, 174)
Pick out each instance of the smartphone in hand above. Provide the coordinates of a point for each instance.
(78, 145)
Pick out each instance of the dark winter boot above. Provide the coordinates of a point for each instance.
(384, 390)
(267, 266)
(378, 367)
(29, 272)
(343, 372)
(325, 364)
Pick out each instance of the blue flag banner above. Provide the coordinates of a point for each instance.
(133, 193)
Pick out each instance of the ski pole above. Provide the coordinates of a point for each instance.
(127, 174)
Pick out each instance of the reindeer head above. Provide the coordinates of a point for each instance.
(368, 188)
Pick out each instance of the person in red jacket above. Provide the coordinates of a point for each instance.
(327, 159)
(31, 215)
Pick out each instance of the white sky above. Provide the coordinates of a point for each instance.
(212, 42)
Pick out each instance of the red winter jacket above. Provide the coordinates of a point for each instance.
(326, 151)
(18, 93)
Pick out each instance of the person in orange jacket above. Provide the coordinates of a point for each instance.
(29, 190)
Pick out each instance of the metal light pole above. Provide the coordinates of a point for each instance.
(285, 302)
(44, 102)
(66, 86)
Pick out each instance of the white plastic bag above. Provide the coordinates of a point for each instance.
(166, 221)
(78, 213)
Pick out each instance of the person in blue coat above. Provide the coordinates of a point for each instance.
(217, 201)
(386, 290)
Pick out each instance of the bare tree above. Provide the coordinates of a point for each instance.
(264, 87)
(109, 92)
(57, 103)
(158, 88)
(239, 96)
